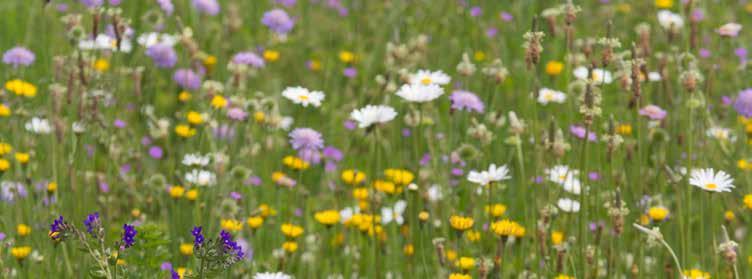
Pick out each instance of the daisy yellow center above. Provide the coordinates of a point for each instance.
(303, 97)
(425, 81)
(562, 177)
(711, 186)
(548, 96)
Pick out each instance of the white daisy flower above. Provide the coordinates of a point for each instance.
(493, 174)
(271, 275)
(152, 38)
(105, 42)
(546, 95)
(598, 75)
(565, 177)
(709, 180)
(434, 193)
(720, 133)
(394, 213)
(38, 126)
(426, 77)
(201, 177)
(347, 213)
(669, 20)
(420, 93)
(303, 97)
(196, 159)
(654, 76)
(371, 114)
(568, 205)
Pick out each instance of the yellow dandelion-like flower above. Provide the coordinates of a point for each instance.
(557, 237)
(748, 201)
(191, 195)
(459, 276)
(20, 252)
(729, 216)
(696, 274)
(194, 118)
(353, 177)
(386, 187)
(186, 249)
(327, 217)
(51, 187)
(295, 163)
(271, 55)
(4, 165)
(658, 213)
(479, 56)
(101, 65)
(184, 96)
(23, 230)
(259, 117)
(506, 228)
(22, 157)
(5, 148)
(664, 4)
(291, 231)
(231, 225)
(218, 102)
(362, 194)
(177, 192)
(461, 223)
(185, 131)
(562, 276)
(496, 210)
(408, 249)
(314, 65)
(346, 56)
(255, 222)
(399, 176)
(290, 246)
(624, 129)
(554, 68)
(465, 263)
(4, 110)
(472, 235)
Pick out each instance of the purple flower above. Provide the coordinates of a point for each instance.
(230, 245)
(165, 266)
(174, 274)
(237, 114)
(491, 32)
(594, 176)
(156, 152)
(236, 196)
(223, 131)
(198, 237)
(310, 155)
(287, 3)
(18, 56)
(350, 125)
(187, 79)
(704, 53)
(115, 2)
(92, 3)
(166, 6)
(406, 132)
(476, 11)
(129, 235)
(506, 16)
(248, 58)
(331, 152)
(743, 103)
(119, 123)
(465, 100)
(163, 55)
(653, 112)
(350, 72)
(2, 236)
(91, 222)
(278, 21)
(579, 132)
(306, 138)
(56, 229)
(209, 7)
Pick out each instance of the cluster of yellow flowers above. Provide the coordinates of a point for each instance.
(21, 88)
(353, 177)
(327, 217)
(295, 163)
(177, 192)
(291, 232)
(506, 228)
(231, 225)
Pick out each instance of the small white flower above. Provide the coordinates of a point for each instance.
(196, 159)
(371, 114)
(152, 38)
(38, 126)
(434, 193)
(420, 93)
(271, 275)
(654, 76)
(721, 134)
(78, 127)
(201, 177)
(565, 177)
(568, 205)
(709, 180)
(730, 29)
(598, 75)
(426, 77)
(493, 174)
(303, 97)
(105, 42)
(546, 95)
(669, 20)
(394, 213)
(286, 122)
(347, 213)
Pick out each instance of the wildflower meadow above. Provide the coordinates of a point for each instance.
(339, 139)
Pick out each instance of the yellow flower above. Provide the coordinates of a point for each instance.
(399, 176)
(748, 201)
(295, 163)
(696, 274)
(135, 212)
(461, 223)
(450, 255)
(291, 231)
(184, 96)
(51, 187)
(255, 222)
(327, 217)
(729, 215)
(101, 65)
(362, 194)
(5, 148)
(346, 56)
(314, 65)
(386, 187)
(209, 62)
(460, 276)
(465, 263)
(259, 116)
(218, 102)
(562, 276)
(423, 216)
(408, 249)
(271, 55)
(353, 177)
(176, 191)
(185, 131)
(554, 67)
(266, 210)
(748, 7)
(479, 56)
(21, 88)
(20, 252)
(742, 164)
(290, 246)
(4, 110)
(186, 249)
(231, 225)
(506, 228)
(624, 129)
(658, 213)
(194, 118)
(22, 157)
(120, 262)
(496, 210)
(664, 4)
(4, 165)
(23, 230)
(472, 235)
(191, 195)
(557, 237)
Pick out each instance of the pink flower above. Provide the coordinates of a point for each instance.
(729, 29)
(653, 112)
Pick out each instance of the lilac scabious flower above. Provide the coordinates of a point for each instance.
(129, 235)
(156, 152)
(278, 21)
(92, 3)
(579, 132)
(163, 55)
(350, 72)
(166, 6)
(230, 245)
(187, 79)
(92, 222)
(248, 58)
(332, 153)
(198, 237)
(310, 155)
(56, 229)
(743, 103)
(18, 56)
(306, 138)
(237, 114)
(209, 7)
(653, 112)
(476, 11)
(465, 100)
